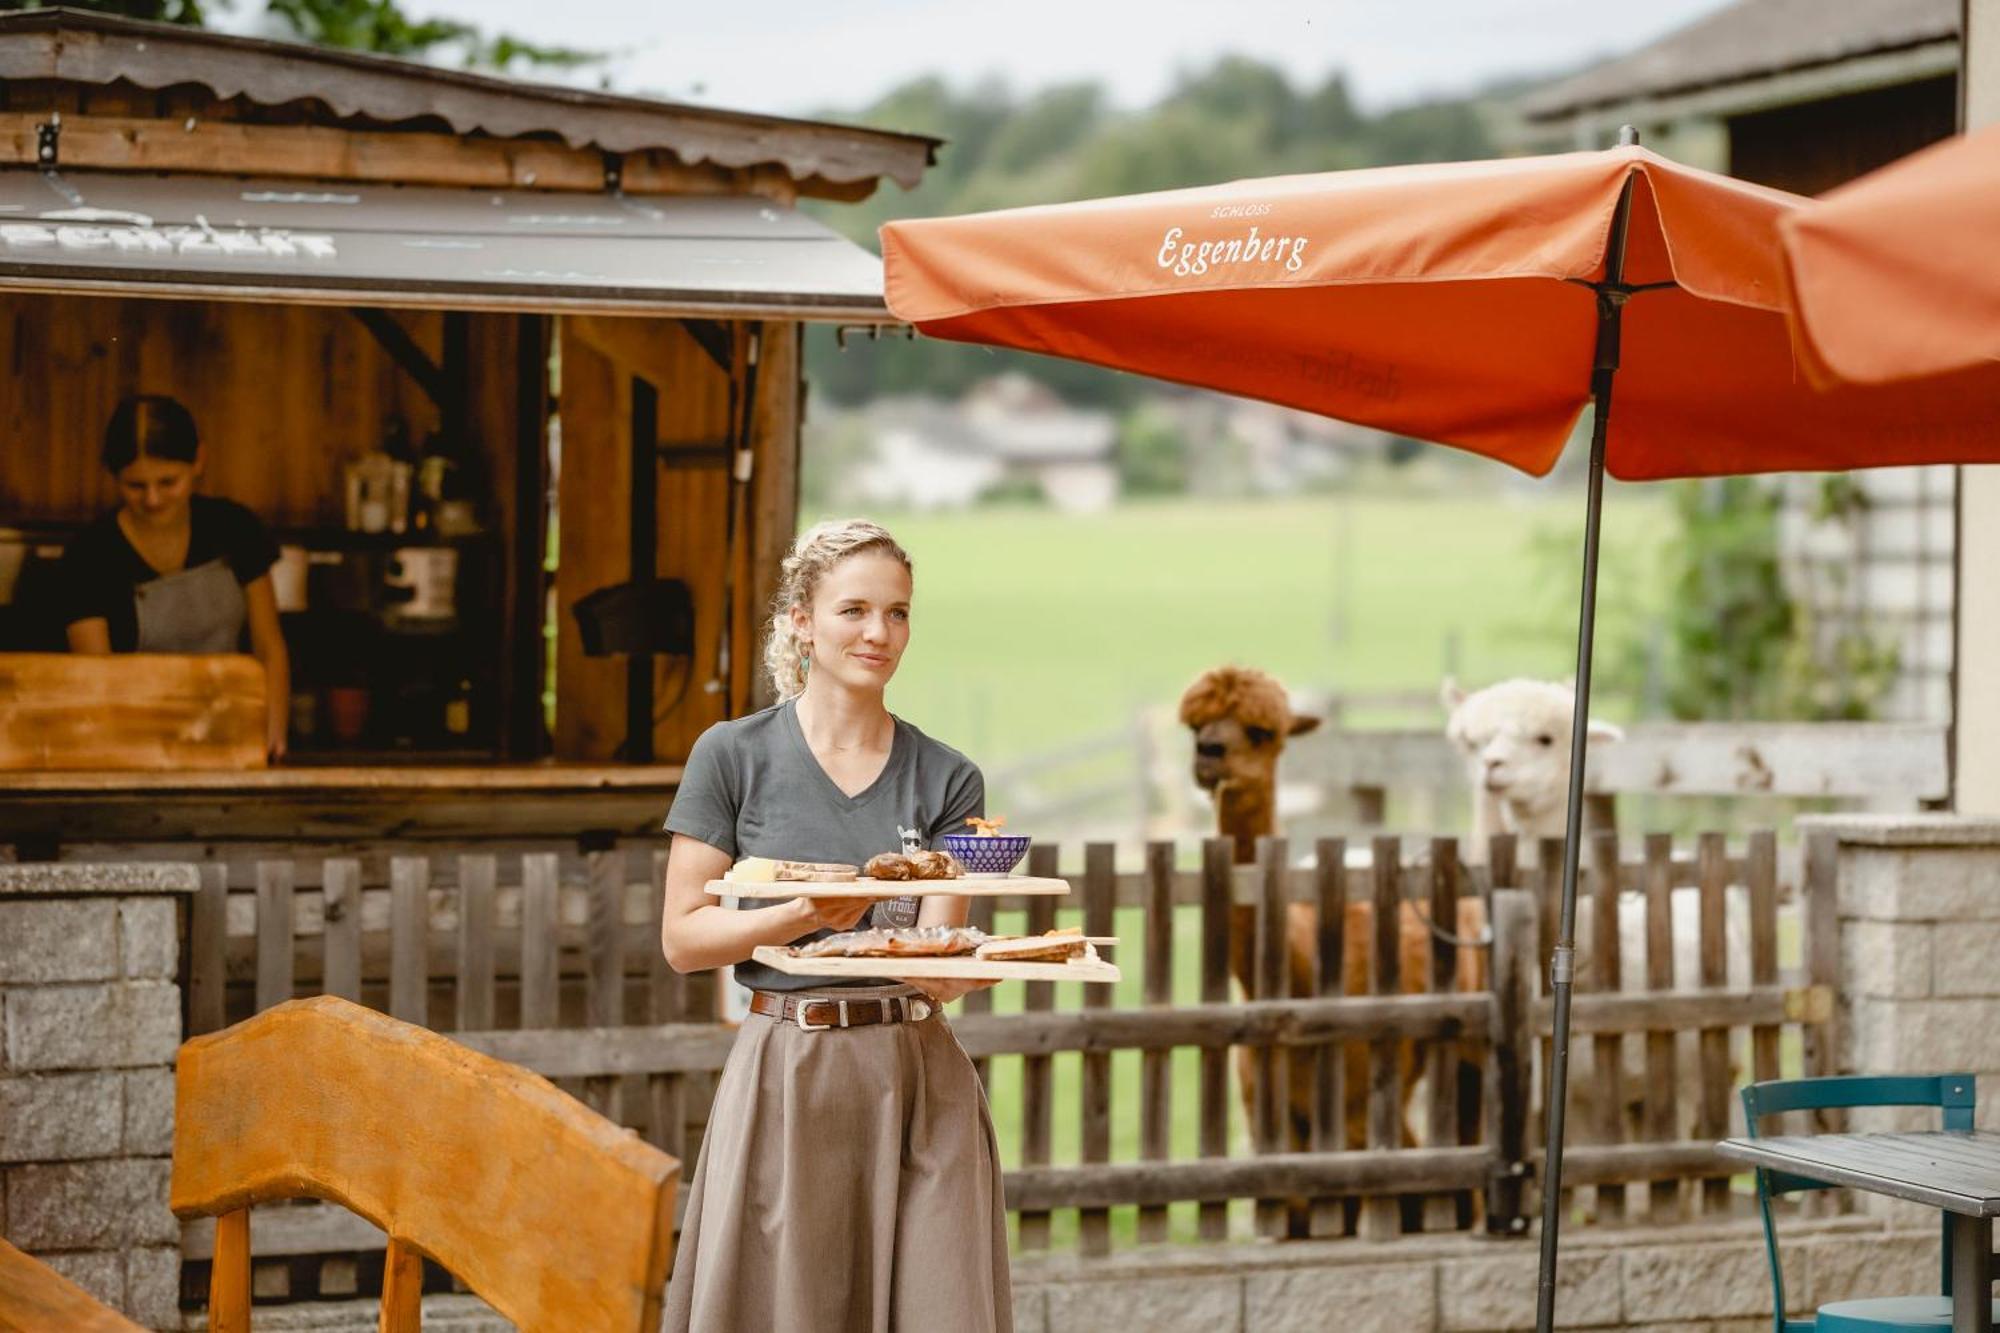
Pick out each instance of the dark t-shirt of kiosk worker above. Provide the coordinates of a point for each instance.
(752, 788)
(100, 570)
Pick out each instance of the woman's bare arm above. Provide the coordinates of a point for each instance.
(90, 636)
(697, 932)
(267, 642)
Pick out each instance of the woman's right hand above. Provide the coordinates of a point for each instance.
(833, 913)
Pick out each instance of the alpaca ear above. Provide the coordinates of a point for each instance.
(1450, 695)
(1302, 723)
(1603, 731)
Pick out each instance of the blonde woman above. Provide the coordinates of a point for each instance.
(849, 1178)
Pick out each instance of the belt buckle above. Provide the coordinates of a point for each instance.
(799, 1016)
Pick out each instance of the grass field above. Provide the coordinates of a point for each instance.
(1032, 628)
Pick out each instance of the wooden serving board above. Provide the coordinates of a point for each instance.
(131, 711)
(1088, 968)
(1001, 887)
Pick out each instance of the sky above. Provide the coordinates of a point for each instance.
(799, 56)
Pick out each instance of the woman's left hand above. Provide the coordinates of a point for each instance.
(943, 990)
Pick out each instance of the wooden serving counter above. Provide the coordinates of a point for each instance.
(308, 803)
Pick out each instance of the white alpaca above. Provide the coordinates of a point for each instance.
(1515, 739)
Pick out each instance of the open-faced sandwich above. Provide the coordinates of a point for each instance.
(914, 865)
(766, 870)
(900, 942)
(1058, 946)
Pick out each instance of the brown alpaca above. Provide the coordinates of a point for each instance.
(1241, 720)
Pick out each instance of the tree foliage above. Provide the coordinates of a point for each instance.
(380, 26)
(1232, 119)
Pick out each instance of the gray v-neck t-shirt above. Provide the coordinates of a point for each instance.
(752, 787)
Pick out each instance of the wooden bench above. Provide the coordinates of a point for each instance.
(558, 1218)
(34, 1298)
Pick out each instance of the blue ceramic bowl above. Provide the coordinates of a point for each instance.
(987, 856)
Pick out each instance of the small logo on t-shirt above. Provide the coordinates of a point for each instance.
(913, 839)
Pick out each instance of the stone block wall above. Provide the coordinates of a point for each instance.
(1919, 905)
(90, 1018)
(1695, 1279)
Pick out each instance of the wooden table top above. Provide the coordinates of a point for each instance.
(1956, 1170)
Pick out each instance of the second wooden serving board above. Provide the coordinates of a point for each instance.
(1088, 968)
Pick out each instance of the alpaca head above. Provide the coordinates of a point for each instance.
(1515, 739)
(1241, 719)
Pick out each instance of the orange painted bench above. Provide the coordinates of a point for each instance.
(34, 1298)
(557, 1218)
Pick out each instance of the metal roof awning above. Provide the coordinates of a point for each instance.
(230, 238)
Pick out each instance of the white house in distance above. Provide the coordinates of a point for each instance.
(930, 454)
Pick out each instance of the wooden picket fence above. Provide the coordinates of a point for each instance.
(549, 957)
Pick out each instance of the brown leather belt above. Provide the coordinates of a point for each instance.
(819, 1015)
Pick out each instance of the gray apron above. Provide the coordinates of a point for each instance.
(196, 610)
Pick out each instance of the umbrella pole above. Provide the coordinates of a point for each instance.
(1611, 295)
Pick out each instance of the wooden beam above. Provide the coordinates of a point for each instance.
(774, 496)
(1273, 1175)
(204, 144)
(1611, 1164)
(394, 339)
(1686, 1011)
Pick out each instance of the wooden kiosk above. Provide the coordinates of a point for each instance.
(590, 306)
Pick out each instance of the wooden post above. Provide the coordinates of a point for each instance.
(1608, 1049)
(667, 993)
(1822, 959)
(274, 933)
(979, 916)
(208, 928)
(1548, 885)
(1510, 1062)
(1381, 1215)
(1037, 1103)
(1100, 892)
(1713, 863)
(409, 938)
(1440, 1211)
(539, 888)
(1662, 1101)
(475, 943)
(1761, 872)
(1156, 1084)
(402, 1290)
(1270, 1099)
(229, 1274)
(1329, 1215)
(340, 887)
(1217, 861)
(604, 996)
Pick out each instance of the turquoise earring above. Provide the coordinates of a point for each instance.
(805, 662)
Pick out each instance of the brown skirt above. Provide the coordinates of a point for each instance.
(849, 1180)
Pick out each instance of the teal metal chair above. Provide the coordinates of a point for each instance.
(1951, 1093)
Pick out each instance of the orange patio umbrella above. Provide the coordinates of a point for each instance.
(1480, 305)
(1893, 276)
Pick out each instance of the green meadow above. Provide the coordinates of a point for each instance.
(1033, 628)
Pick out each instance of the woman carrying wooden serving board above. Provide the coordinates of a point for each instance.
(170, 570)
(849, 1178)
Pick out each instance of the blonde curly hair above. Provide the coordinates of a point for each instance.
(816, 550)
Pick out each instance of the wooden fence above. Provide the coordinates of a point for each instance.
(551, 959)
